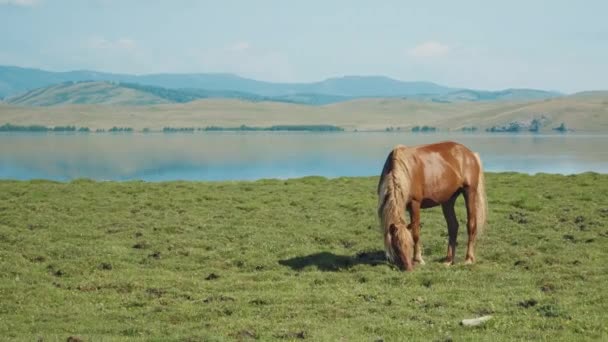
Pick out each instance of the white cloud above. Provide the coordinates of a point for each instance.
(240, 46)
(125, 43)
(25, 3)
(429, 49)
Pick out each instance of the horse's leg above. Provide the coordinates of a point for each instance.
(469, 198)
(452, 222)
(414, 226)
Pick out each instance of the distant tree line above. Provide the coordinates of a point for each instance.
(120, 129)
(469, 129)
(424, 129)
(17, 128)
(115, 129)
(535, 125)
(314, 128)
(415, 129)
(392, 129)
(511, 127)
(561, 128)
(178, 129)
(308, 128)
(39, 128)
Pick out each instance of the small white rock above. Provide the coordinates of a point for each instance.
(473, 322)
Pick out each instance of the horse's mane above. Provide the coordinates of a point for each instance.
(394, 192)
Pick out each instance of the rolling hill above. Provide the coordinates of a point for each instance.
(586, 112)
(86, 93)
(121, 93)
(465, 95)
(15, 81)
(118, 93)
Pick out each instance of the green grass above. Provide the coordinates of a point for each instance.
(285, 260)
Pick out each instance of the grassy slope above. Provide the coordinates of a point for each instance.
(283, 259)
(583, 113)
(86, 93)
(586, 113)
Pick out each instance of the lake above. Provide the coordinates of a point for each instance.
(255, 155)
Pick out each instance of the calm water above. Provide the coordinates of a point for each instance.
(245, 156)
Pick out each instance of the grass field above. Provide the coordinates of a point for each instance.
(296, 259)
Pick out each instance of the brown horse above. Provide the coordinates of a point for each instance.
(426, 176)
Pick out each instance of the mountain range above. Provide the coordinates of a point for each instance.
(128, 94)
(27, 86)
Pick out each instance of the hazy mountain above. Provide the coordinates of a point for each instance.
(16, 80)
(465, 95)
(117, 93)
(22, 84)
(373, 86)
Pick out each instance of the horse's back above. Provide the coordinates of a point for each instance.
(439, 166)
(442, 146)
(444, 154)
(457, 157)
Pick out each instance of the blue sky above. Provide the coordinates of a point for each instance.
(558, 45)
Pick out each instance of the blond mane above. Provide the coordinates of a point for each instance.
(393, 195)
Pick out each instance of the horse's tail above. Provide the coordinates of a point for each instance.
(393, 192)
(481, 202)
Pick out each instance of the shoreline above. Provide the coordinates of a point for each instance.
(39, 129)
(275, 179)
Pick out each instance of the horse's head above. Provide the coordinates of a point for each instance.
(402, 246)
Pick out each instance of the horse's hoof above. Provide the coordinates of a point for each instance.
(420, 262)
(469, 262)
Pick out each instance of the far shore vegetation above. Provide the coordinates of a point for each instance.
(512, 127)
(41, 128)
(311, 128)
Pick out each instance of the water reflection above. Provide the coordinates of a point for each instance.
(254, 155)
